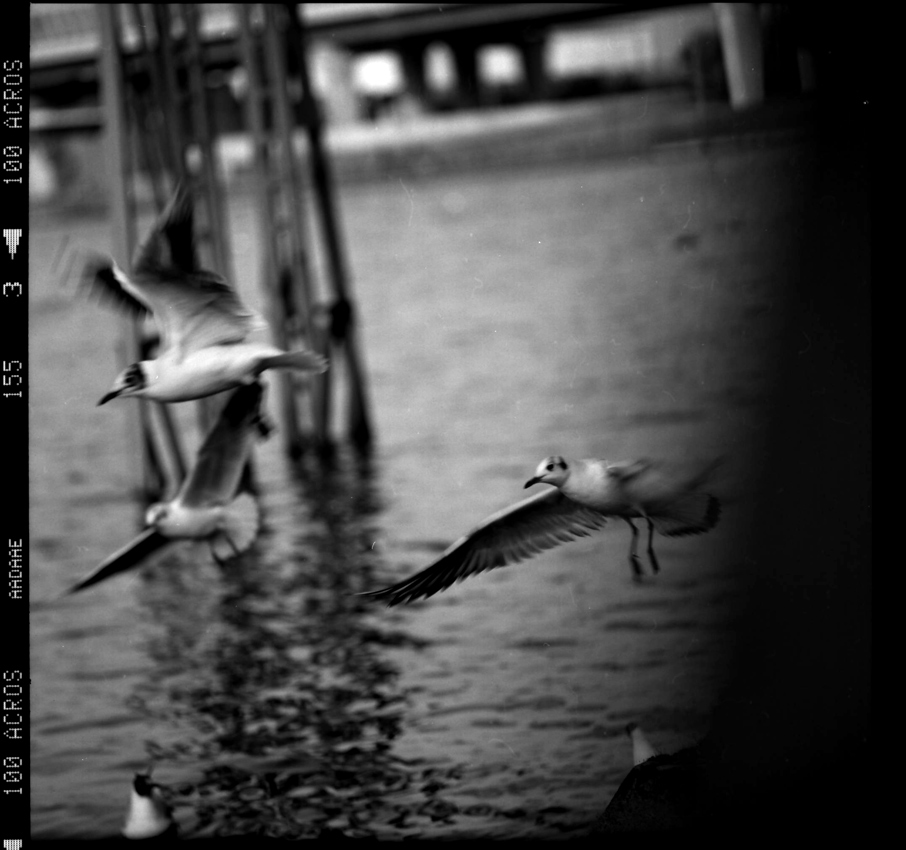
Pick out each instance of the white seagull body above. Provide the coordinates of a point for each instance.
(148, 815)
(585, 494)
(206, 506)
(203, 323)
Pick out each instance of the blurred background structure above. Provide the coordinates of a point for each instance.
(380, 67)
(286, 96)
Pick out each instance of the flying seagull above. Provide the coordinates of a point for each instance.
(148, 815)
(206, 506)
(203, 323)
(584, 495)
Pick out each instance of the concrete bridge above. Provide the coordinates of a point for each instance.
(66, 41)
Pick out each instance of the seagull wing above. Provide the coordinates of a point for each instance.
(102, 278)
(131, 555)
(168, 248)
(194, 308)
(171, 242)
(222, 456)
(537, 523)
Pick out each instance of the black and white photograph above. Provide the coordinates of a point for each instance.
(446, 421)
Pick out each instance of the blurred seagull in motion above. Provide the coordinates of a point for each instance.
(203, 323)
(584, 495)
(148, 815)
(206, 506)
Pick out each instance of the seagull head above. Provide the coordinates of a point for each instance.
(156, 513)
(130, 381)
(551, 470)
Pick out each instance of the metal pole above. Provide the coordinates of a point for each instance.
(292, 437)
(359, 425)
(116, 144)
(288, 175)
(202, 127)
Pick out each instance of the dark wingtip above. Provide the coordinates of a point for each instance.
(77, 587)
(244, 405)
(99, 280)
(390, 596)
(180, 206)
(713, 513)
(381, 595)
(170, 243)
(631, 727)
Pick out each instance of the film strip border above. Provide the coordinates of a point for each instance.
(14, 399)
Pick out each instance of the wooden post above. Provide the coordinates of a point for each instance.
(289, 424)
(168, 102)
(143, 116)
(288, 180)
(287, 170)
(359, 425)
(116, 144)
(203, 132)
(740, 36)
(164, 107)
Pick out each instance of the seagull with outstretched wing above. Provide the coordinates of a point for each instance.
(206, 506)
(584, 495)
(203, 323)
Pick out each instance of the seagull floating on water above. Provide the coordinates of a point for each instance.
(203, 322)
(642, 750)
(584, 495)
(206, 506)
(148, 815)
(662, 792)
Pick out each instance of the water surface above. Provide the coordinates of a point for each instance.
(617, 310)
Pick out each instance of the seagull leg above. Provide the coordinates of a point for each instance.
(633, 551)
(216, 555)
(233, 546)
(651, 557)
(214, 549)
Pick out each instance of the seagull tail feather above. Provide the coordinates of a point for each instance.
(301, 361)
(695, 513)
(240, 527)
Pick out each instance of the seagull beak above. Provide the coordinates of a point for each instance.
(532, 481)
(110, 395)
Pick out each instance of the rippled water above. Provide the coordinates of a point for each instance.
(612, 309)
